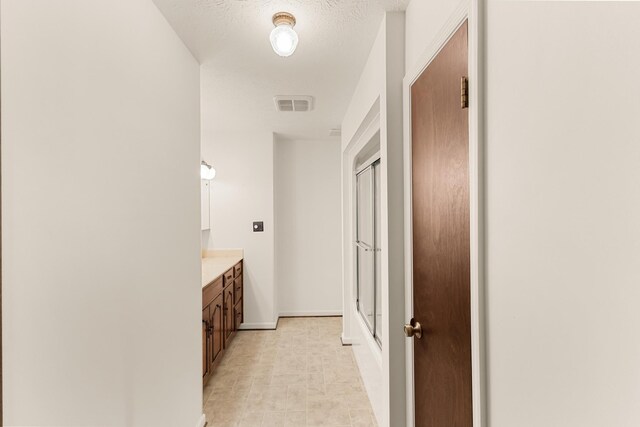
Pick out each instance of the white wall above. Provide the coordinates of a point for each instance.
(242, 192)
(424, 20)
(378, 97)
(308, 224)
(562, 202)
(562, 205)
(101, 273)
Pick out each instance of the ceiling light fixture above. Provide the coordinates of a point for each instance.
(207, 171)
(284, 39)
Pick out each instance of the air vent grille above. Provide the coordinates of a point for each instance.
(285, 105)
(293, 103)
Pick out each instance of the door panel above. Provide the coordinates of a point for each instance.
(228, 314)
(217, 331)
(206, 343)
(238, 314)
(237, 294)
(441, 247)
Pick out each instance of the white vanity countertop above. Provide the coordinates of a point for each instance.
(215, 263)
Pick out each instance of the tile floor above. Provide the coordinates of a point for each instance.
(298, 375)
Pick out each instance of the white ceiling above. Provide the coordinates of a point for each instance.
(241, 74)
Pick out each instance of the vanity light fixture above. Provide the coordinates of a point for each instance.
(284, 39)
(207, 171)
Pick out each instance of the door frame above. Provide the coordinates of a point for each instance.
(368, 128)
(1, 380)
(472, 11)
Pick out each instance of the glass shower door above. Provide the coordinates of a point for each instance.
(368, 248)
(365, 242)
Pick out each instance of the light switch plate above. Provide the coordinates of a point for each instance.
(258, 226)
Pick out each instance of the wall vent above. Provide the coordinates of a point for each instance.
(335, 132)
(288, 103)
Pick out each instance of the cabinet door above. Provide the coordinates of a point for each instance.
(238, 314)
(228, 314)
(237, 295)
(217, 328)
(206, 342)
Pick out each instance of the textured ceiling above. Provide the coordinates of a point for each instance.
(241, 74)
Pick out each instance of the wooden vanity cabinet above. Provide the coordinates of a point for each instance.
(222, 314)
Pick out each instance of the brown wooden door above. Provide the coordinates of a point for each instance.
(216, 328)
(228, 313)
(441, 247)
(206, 342)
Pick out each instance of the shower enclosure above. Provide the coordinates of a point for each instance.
(367, 246)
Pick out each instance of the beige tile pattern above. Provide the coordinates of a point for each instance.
(299, 375)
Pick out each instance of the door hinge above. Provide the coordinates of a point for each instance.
(464, 92)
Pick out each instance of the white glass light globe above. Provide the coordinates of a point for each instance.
(207, 172)
(284, 40)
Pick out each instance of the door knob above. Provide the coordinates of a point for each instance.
(413, 329)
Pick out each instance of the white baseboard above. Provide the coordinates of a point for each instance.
(265, 325)
(274, 325)
(202, 421)
(321, 313)
(346, 340)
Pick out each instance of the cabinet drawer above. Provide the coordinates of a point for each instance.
(237, 293)
(228, 277)
(211, 291)
(237, 270)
